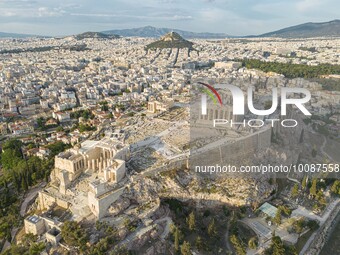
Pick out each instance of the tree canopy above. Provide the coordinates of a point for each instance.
(292, 70)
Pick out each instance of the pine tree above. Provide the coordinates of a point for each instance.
(238, 245)
(185, 248)
(295, 190)
(313, 190)
(277, 218)
(252, 243)
(191, 221)
(336, 187)
(212, 231)
(199, 243)
(277, 246)
(304, 182)
(177, 239)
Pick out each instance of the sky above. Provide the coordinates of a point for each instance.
(233, 17)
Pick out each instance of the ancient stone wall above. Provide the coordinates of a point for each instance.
(100, 205)
(323, 233)
(233, 152)
(47, 200)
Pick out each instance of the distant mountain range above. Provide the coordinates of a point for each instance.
(13, 35)
(149, 31)
(323, 29)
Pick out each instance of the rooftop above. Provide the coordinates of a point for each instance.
(268, 209)
(34, 219)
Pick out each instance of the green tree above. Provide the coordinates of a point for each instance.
(9, 158)
(238, 245)
(104, 106)
(336, 187)
(15, 250)
(28, 239)
(295, 190)
(120, 250)
(313, 225)
(313, 189)
(57, 147)
(41, 123)
(74, 235)
(299, 225)
(284, 209)
(84, 128)
(185, 248)
(127, 223)
(60, 129)
(5, 231)
(290, 70)
(277, 246)
(212, 230)
(191, 221)
(176, 236)
(199, 243)
(277, 218)
(13, 144)
(36, 248)
(252, 243)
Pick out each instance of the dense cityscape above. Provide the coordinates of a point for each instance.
(98, 141)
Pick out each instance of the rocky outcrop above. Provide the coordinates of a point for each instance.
(186, 185)
(119, 206)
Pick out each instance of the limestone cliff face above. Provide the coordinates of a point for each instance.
(186, 185)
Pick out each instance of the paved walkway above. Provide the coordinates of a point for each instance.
(32, 193)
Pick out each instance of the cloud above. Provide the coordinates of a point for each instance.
(308, 5)
(179, 17)
(135, 17)
(8, 14)
(167, 1)
(50, 12)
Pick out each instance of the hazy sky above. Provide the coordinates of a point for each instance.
(234, 17)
